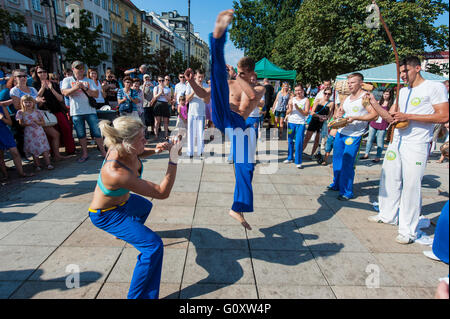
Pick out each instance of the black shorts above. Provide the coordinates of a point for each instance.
(149, 116)
(161, 109)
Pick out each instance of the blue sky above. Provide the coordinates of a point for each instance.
(203, 16)
(204, 13)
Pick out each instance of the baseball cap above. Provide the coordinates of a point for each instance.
(77, 64)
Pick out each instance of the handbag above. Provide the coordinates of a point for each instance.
(49, 118)
(309, 118)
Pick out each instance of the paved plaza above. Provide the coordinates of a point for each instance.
(304, 244)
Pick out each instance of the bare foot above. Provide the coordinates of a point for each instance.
(223, 20)
(240, 218)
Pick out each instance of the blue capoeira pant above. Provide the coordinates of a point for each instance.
(233, 125)
(126, 222)
(346, 149)
(296, 133)
(441, 236)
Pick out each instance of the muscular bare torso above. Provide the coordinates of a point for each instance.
(240, 103)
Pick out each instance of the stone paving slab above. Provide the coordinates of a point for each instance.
(304, 244)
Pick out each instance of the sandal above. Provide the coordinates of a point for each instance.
(83, 159)
(50, 167)
(365, 157)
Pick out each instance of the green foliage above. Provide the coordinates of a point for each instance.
(328, 38)
(258, 22)
(81, 43)
(437, 69)
(133, 50)
(6, 18)
(161, 63)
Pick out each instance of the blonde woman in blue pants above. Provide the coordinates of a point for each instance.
(116, 211)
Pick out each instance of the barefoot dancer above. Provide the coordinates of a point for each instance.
(232, 102)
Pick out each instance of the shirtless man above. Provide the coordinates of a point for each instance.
(232, 102)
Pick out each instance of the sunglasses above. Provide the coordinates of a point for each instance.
(327, 94)
(40, 72)
(181, 76)
(160, 80)
(21, 76)
(166, 79)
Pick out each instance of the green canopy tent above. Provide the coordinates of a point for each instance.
(385, 76)
(266, 69)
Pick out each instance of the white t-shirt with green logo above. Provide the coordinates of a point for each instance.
(421, 101)
(352, 109)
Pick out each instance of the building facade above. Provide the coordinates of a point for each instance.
(153, 32)
(179, 24)
(37, 39)
(98, 10)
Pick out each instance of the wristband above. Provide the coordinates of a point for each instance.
(172, 163)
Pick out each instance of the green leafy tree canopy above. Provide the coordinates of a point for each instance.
(81, 43)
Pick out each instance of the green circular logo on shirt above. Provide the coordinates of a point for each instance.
(416, 101)
(355, 109)
(349, 141)
(391, 156)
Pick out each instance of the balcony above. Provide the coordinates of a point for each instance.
(33, 41)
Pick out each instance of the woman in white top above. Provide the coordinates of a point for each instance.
(93, 75)
(162, 94)
(297, 112)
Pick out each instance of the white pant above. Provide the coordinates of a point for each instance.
(400, 197)
(195, 132)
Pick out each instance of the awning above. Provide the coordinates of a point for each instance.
(266, 69)
(388, 74)
(9, 55)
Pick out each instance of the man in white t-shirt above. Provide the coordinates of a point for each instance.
(196, 115)
(348, 139)
(80, 109)
(423, 103)
(180, 88)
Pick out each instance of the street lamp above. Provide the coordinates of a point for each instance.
(189, 34)
(49, 4)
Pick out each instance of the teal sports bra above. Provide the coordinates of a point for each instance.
(118, 192)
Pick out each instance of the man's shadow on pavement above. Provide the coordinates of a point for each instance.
(282, 244)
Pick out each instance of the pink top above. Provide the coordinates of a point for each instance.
(183, 112)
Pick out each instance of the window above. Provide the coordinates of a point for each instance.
(57, 6)
(36, 4)
(40, 30)
(135, 19)
(119, 28)
(117, 9)
(105, 4)
(97, 2)
(107, 47)
(98, 20)
(126, 16)
(113, 26)
(151, 35)
(105, 26)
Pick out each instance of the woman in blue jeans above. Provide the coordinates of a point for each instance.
(121, 214)
(377, 129)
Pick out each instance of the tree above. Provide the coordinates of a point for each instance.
(257, 24)
(6, 18)
(133, 51)
(331, 37)
(82, 43)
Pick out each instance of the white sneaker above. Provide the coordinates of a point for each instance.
(287, 162)
(431, 255)
(403, 240)
(299, 166)
(375, 219)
